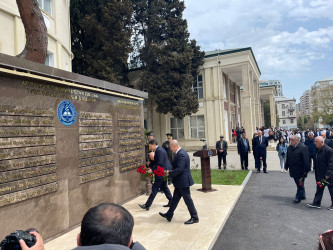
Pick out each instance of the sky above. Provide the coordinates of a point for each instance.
(292, 40)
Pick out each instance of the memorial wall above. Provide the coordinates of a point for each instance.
(67, 142)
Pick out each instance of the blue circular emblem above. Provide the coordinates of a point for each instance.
(66, 113)
(210, 153)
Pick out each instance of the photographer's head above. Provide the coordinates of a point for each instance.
(106, 223)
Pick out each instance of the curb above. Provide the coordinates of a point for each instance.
(245, 181)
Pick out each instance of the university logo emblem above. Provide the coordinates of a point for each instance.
(210, 153)
(66, 113)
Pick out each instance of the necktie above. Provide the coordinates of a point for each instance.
(260, 139)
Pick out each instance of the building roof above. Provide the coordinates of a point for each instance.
(327, 79)
(230, 51)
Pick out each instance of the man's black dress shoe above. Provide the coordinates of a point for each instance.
(303, 198)
(165, 216)
(191, 221)
(265, 172)
(296, 200)
(258, 171)
(144, 206)
(167, 205)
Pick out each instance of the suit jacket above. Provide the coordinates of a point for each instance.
(161, 159)
(324, 163)
(260, 147)
(328, 142)
(224, 147)
(298, 161)
(180, 173)
(241, 147)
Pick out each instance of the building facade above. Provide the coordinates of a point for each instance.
(306, 103)
(57, 20)
(276, 83)
(286, 109)
(229, 97)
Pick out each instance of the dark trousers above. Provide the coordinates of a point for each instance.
(244, 158)
(320, 192)
(186, 194)
(257, 161)
(222, 157)
(159, 184)
(300, 194)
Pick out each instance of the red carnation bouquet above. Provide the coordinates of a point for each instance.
(322, 183)
(144, 170)
(159, 171)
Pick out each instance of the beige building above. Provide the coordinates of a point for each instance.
(287, 113)
(306, 103)
(229, 96)
(57, 20)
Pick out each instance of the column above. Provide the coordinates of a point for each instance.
(272, 110)
(247, 112)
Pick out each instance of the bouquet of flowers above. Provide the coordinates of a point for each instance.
(159, 171)
(301, 181)
(144, 170)
(322, 183)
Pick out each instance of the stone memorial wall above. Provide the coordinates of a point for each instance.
(67, 142)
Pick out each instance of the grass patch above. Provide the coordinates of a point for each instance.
(222, 177)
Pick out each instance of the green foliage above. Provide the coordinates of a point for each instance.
(170, 61)
(218, 177)
(267, 114)
(323, 104)
(101, 31)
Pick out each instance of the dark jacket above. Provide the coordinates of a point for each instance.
(136, 246)
(241, 146)
(260, 147)
(328, 142)
(297, 160)
(224, 147)
(311, 146)
(324, 163)
(166, 146)
(161, 159)
(180, 173)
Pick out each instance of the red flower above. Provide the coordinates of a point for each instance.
(143, 170)
(159, 171)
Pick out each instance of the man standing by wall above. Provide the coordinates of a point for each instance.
(221, 149)
(182, 180)
(160, 159)
(298, 164)
(324, 171)
(259, 145)
(243, 147)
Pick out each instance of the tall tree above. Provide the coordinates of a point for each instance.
(35, 31)
(170, 61)
(101, 32)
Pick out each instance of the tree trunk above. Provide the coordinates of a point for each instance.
(150, 108)
(35, 31)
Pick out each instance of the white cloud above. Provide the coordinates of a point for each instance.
(313, 10)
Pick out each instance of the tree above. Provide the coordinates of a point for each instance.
(101, 32)
(169, 60)
(267, 113)
(35, 31)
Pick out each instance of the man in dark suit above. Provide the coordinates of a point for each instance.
(259, 145)
(221, 149)
(328, 142)
(160, 159)
(298, 164)
(324, 171)
(182, 180)
(243, 147)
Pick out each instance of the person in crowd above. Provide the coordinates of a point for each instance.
(150, 136)
(182, 180)
(234, 135)
(253, 149)
(281, 148)
(221, 149)
(259, 145)
(243, 147)
(328, 142)
(323, 172)
(160, 159)
(310, 143)
(298, 164)
(107, 226)
(238, 133)
(39, 245)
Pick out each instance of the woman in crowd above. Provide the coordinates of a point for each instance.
(282, 147)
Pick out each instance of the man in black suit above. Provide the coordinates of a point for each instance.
(324, 171)
(298, 164)
(182, 180)
(160, 159)
(221, 149)
(328, 142)
(243, 147)
(259, 145)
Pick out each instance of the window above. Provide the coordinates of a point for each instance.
(198, 87)
(283, 106)
(197, 126)
(284, 121)
(177, 128)
(283, 113)
(291, 113)
(45, 5)
(49, 61)
(292, 121)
